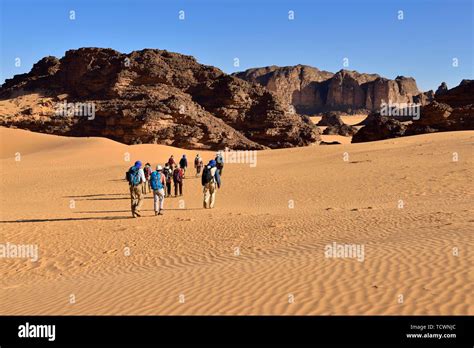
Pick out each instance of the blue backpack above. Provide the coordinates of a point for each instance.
(155, 181)
(133, 176)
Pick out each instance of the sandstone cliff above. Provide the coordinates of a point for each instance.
(311, 90)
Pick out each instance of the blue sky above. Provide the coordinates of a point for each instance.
(258, 32)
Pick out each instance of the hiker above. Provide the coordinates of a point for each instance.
(183, 164)
(171, 162)
(168, 173)
(147, 171)
(157, 182)
(209, 180)
(136, 178)
(198, 164)
(219, 163)
(178, 181)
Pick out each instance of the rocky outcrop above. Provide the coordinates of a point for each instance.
(459, 96)
(254, 111)
(440, 117)
(335, 126)
(442, 89)
(453, 110)
(455, 113)
(311, 90)
(344, 130)
(379, 128)
(154, 96)
(331, 119)
(424, 98)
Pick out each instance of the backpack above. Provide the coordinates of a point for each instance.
(196, 161)
(177, 175)
(155, 181)
(133, 176)
(183, 163)
(206, 176)
(167, 173)
(147, 173)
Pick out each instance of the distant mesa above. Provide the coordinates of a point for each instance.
(312, 91)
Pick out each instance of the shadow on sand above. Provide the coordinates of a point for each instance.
(67, 219)
(96, 197)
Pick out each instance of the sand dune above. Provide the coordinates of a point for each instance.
(191, 252)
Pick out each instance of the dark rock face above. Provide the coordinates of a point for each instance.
(311, 90)
(442, 89)
(335, 125)
(463, 118)
(344, 130)
(379, 128)
(459, 96)
(331, 119)
(453, 110)
(434, 114)
(439, 117)
(253, 111)
(455, 113)
(424, 98)
(300, 85)
(155, 96)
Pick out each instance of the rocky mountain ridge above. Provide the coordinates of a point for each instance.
(153, 96)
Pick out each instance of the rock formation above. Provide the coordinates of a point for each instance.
(331, 119)
(299, 86)
(153, 96)
(380, 128)
(442, 89)
(311, 90)
(452, 110)
(459, 96)
(335, 126)
(343, 129)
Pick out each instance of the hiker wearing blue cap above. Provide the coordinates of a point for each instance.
(210, 181)
(136, 179)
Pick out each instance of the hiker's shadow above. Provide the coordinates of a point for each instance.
(66, 219)
(95, 195)
(100, 197)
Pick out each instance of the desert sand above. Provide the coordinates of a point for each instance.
(280, 214)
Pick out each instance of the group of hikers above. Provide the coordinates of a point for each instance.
(143, 180)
